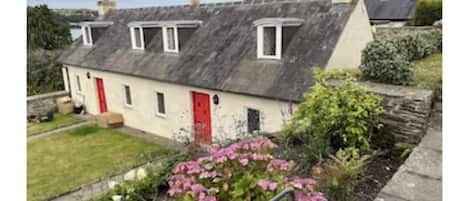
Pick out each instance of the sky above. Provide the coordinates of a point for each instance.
(91, 4)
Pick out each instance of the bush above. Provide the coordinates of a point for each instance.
(339, 174)
(334, 116)
(428, 11)
(148, 187)
(388, 60)
(44, 73)
(242, 171)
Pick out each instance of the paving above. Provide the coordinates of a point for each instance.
(420, 178)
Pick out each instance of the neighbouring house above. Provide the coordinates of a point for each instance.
(391, 13)
(211, 71)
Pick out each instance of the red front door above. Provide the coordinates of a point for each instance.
(202, 124)
(101, 95)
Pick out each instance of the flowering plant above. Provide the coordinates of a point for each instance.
(242, 171)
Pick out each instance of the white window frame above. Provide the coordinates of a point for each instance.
(78, 82)
(278, 42)
(132, 100)
(133, 38)
(165, 39)
(157, 110)
(84, 33)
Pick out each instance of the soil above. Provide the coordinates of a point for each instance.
(378, 171)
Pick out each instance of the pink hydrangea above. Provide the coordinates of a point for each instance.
(267, 185)
(277, 164)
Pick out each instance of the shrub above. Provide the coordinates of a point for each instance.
(388, 60)
(146, 188)
(334, 115)
(339, 174)
(242, 171)
(428, 11)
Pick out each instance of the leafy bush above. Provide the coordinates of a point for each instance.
(428, 11)
(334, 115)
(44, 73)
(149, 187)
(242, 171)
(339, 174)
(388, 60)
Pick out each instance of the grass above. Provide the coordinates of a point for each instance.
(64, 161)
(60, 120)
(428, 74)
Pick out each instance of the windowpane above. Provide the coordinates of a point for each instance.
(138, 38)
(78, 83)
(88, 35)
(160, 100)
(253, 120)
(171, 38)
(128, 96)
(269, 41)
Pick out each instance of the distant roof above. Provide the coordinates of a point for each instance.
(221, 53)
(391, 9)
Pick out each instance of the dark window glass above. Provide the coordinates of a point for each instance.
(138, 38)
(160, 100)
(253, 120)
(88, 35)
(128, 96)
(78, 83)
(269, 41)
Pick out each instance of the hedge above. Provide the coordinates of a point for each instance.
(428, 11)
(388, 60)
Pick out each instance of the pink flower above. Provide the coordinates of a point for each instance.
(264, 184)
(244, 161)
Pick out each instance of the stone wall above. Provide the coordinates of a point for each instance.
(407, 110)
(42, 103)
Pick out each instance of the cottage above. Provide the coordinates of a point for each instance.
(391, 13)
(211, 71)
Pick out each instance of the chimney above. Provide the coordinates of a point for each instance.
(195, 3)
(105, 5)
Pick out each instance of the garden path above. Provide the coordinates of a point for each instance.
(420, 178)
(65, 128)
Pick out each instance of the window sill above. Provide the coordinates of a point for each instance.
(163, 116)
(128, 106)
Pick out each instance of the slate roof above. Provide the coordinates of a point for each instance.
(221, 53)
(391, 9)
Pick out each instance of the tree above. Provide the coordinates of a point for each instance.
(46, 30)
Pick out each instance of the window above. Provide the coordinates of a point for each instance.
(78, 83)
(269, 42)
(86, 34)
(170, 39)
(137, 38)
(253, 120)
(127, 95)
(160, 110)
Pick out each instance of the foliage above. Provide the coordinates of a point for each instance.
(44, 73)
(405, 149)
(428, 11)
(338, 175)
(388, 60)
(334, 115)
(150, 186)
(428, 74)
(242, 171)
(46, 30)
(73, 160)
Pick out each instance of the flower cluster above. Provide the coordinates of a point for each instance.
(243, 170)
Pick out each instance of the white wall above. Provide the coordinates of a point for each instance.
(225, 117)
(356, 35)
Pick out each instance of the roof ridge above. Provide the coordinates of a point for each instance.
(222, 4)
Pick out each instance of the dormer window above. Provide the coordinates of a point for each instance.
(136, 33)
(91, 31)
(174, 33)
(271, 37)
(170, 39)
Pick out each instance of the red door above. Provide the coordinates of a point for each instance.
(101, 95)
(202, 124)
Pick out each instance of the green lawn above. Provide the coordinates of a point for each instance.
(64, 161)
(59, 121)
(428, 74)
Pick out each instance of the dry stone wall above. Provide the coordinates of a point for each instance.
(407, 110)
(42, 103)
